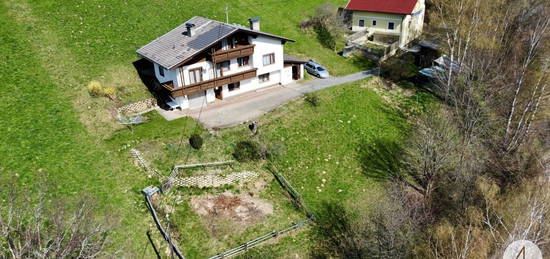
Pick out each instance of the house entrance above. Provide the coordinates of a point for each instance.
(295, 72)
(219, 92)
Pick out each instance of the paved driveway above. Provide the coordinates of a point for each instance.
(251, 105)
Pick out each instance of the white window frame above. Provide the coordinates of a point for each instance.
(270, 59)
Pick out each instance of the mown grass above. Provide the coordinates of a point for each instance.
(322, 158)
(42, 137)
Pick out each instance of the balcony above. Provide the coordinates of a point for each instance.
(237, 52)
(209, 84)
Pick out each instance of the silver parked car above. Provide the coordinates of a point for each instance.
(316, 70)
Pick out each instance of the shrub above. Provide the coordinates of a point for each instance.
(312, 99)
(109, 91)
(196, 141)
(397, 69)
(327, 24)
(95, 89)
(248, 151)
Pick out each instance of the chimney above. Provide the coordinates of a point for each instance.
(190, 29)
(254, 23)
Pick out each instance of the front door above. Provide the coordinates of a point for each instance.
(219, 92)
(295, 72)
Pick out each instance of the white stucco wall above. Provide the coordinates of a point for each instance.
(207, 72)
(183, 102)
(413, 24)
(382, 22)
(265, 45)
(286, 77)
(210, 95)
(169, 75)
(246, 86)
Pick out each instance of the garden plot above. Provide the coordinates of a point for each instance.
(221, 206)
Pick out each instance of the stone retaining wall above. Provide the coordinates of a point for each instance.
(138, 107)
(214, 180)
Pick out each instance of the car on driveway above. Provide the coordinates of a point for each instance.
(316, 70)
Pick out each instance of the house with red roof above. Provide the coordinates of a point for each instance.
(401, 20)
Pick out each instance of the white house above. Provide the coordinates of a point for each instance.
(400, 19)
(203, 60)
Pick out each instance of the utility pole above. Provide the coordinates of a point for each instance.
(226, 13)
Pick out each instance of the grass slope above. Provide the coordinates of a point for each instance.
(104, 35)
(41, 136)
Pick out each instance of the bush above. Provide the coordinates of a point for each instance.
(327, 24)
(95, 89)
(196, 141)
(248, 151)
(397, 69)
(312, 99)
(109, 91)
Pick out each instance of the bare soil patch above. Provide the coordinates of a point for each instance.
(229, 212)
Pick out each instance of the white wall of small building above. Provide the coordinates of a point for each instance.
(286, 77)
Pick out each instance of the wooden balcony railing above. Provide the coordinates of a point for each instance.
(239, 51)
(212, 83)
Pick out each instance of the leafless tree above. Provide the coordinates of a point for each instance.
(526, 217)
(497, 67)
(430, 152)
(32, 226)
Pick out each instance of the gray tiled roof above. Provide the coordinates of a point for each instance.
(174, 47)
(293, 59)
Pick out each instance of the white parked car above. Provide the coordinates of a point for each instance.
(316, 70)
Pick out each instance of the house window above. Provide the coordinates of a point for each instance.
(161, 71)
(222, 67)
(234, 86)
(195, 75)
(264, 77)
(361, 23)
(269, 59)
(243, 61)
(373, 22)
(391, 25)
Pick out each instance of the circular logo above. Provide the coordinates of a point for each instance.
(522, 249)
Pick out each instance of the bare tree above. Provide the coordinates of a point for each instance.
(39, 228)
(523, 217)
(496, 70)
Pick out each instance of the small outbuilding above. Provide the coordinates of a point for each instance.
(293, 69)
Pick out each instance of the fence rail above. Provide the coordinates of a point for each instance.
(294, 195)
(260, 239)
(148, 192)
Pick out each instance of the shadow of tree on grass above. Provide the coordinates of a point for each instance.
(381, 159)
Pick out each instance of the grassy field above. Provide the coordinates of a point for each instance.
(50, 50)
(41, 137)
(322, 157)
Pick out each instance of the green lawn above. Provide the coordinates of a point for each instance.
(322, 157)
(50, 50)
(41, 135)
